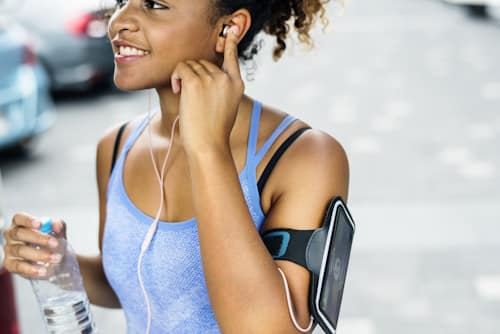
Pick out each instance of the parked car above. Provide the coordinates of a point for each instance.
(26, 108)
(71, 41)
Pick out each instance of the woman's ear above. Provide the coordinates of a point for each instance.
(241, 18)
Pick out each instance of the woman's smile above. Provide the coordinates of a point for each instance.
(129, 56)
(126, 53)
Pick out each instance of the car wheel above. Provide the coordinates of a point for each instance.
(26, 146)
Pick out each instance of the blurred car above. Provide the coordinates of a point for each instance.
(26, 108)
(71, 41)
(477, 8)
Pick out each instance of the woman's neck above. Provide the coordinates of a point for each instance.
(169, 104)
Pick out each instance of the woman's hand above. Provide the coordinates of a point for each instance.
(209, 99)
(20, 256)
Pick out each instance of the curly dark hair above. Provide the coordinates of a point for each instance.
(272, 17)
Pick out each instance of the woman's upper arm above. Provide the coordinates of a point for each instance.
(104, 156)
(315, 169)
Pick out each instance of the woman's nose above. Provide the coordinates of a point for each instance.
(123, 19)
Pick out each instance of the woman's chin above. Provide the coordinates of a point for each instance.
(129, 85)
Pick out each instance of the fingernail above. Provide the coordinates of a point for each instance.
(55, 258)
(42, 271)
(36, 223)
(174, 86)
(53, 242)
(235, 30)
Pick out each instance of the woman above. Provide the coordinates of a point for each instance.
(203, 267)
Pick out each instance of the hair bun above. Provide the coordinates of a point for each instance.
(303, 13)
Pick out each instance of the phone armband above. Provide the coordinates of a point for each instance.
(325, 253)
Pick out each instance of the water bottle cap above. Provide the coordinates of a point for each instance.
(46, 225)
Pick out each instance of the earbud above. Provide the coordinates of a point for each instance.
(225, 28)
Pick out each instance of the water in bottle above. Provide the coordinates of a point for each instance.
(61, 296)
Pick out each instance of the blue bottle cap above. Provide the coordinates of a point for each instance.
(46, 225)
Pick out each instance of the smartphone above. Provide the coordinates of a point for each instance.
(335, 260)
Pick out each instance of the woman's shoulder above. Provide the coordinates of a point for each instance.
(109, 136)
(109, 139)
(313, 142)
(316, 158)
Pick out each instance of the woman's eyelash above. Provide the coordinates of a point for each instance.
(154, 5)
(147, 3)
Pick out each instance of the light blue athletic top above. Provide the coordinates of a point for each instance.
(171, 267)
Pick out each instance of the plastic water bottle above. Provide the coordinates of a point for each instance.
(61, 296)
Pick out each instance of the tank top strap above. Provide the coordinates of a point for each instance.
(136, 132)
(252, 154)
(272, 138)
(254, 130)
(130, 140)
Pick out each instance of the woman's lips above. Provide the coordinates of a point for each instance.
(120, 59)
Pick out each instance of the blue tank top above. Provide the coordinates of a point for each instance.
(171, 266)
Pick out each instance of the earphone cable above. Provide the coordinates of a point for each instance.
(152, 229)
(290, 306)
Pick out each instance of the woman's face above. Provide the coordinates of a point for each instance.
(167, 32)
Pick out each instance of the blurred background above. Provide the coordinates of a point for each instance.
(411, 88)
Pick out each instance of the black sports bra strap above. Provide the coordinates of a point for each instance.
(279, 152)
(117, 144)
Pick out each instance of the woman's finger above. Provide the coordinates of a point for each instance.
(24, 268)
(212, 68)
(199, 69)
(23, 252)
(26, 220)
(230, 64)
(30, 236)
(59, 226)
(182, 74)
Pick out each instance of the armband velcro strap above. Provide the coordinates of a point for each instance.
(288, 244)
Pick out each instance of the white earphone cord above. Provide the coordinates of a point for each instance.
(290, 306)
(152, 229)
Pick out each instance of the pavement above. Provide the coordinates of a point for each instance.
(412, 91)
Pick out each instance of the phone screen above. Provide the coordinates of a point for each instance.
(336, 267)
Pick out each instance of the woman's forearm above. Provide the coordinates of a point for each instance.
(94, 280)
(244, 285)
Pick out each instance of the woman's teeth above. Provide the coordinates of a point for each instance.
(129, 51)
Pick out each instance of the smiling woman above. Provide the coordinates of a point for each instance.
(275, 18)
(181, 247)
